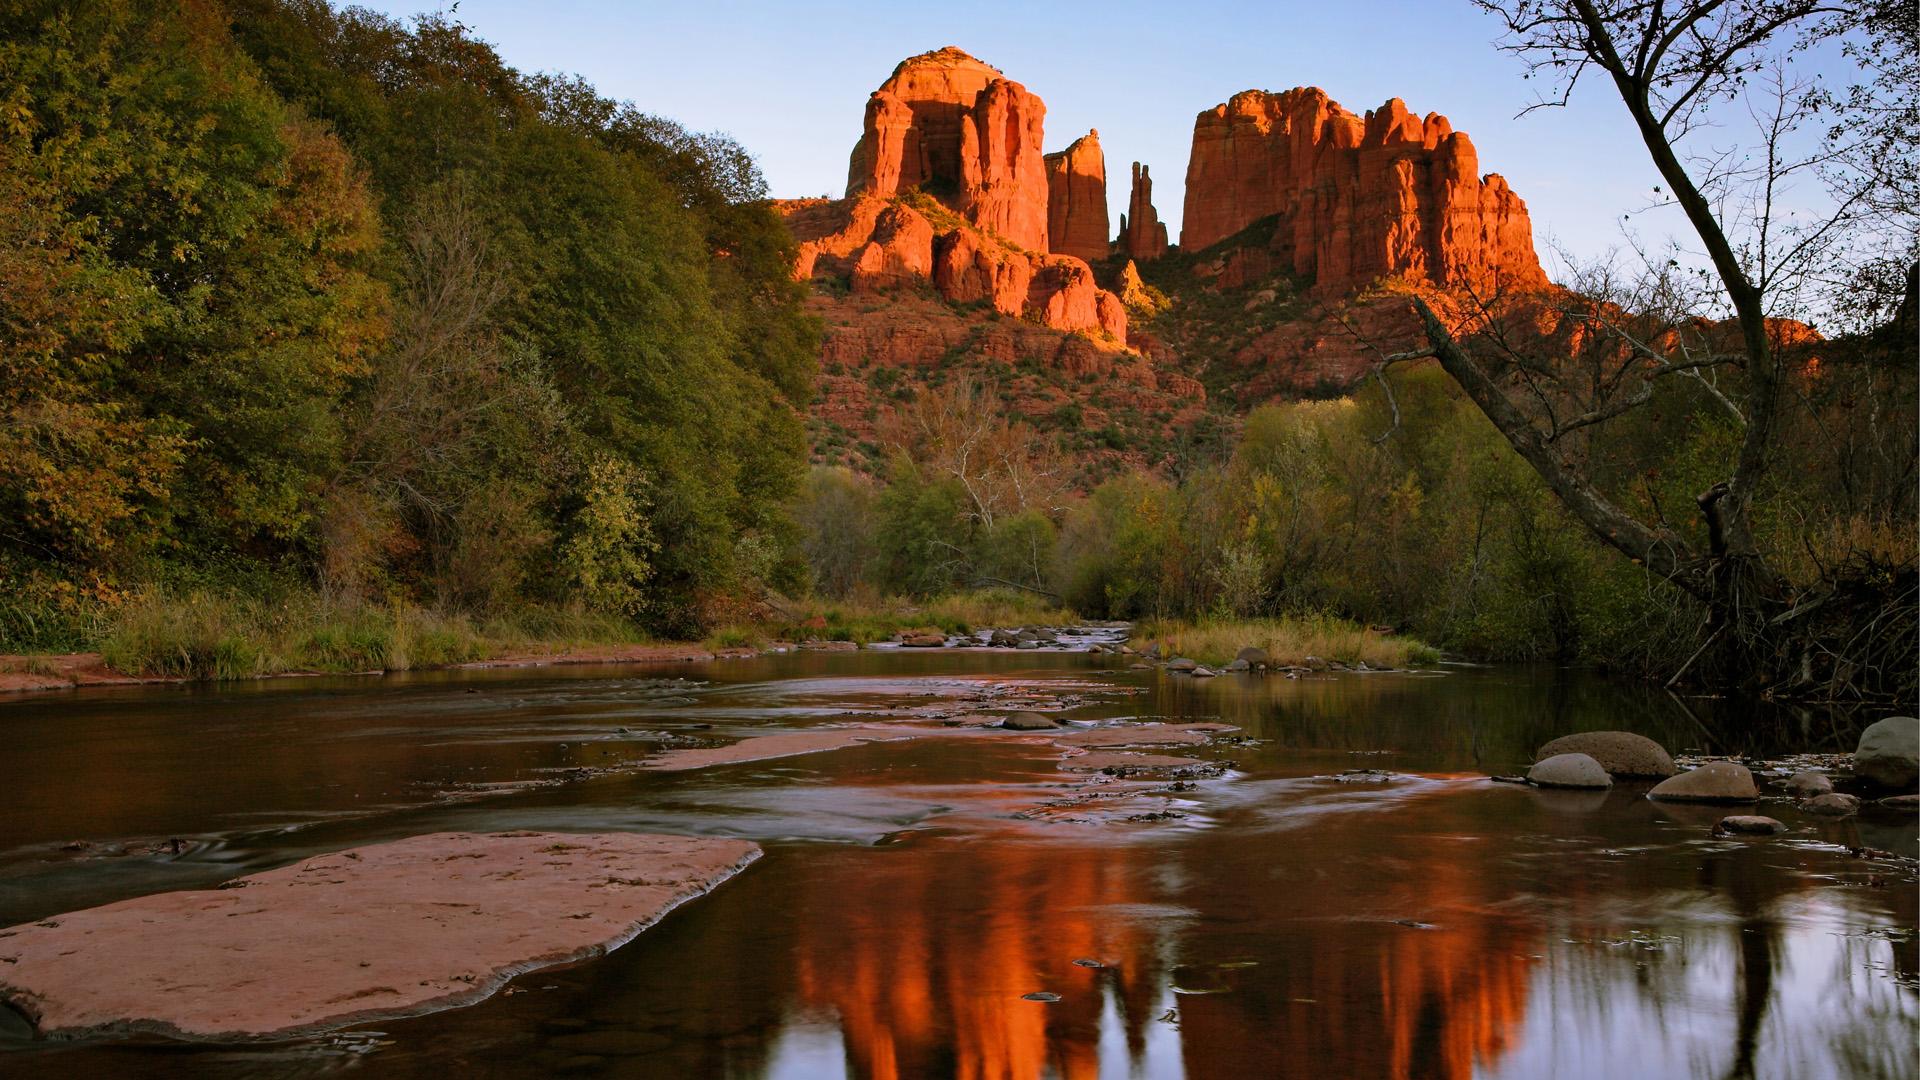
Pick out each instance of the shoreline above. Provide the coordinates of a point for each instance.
(51, 673)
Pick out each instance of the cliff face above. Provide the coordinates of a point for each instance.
(947, 187)
(958, 129)
(1387, 195)
(1077, 200)
(1142, 235)
(879, 245)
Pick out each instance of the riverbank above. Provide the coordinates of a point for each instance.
(209, 637)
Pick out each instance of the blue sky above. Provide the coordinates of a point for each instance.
(790, 81)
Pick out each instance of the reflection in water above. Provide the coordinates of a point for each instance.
(925, 986)
(1432, 925)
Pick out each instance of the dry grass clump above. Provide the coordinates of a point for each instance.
(1288, 640)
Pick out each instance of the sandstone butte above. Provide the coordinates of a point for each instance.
(950, 124)
(1142, 235)
(395, 929)
(1077, 200)
(948, 186)
(1356, 199)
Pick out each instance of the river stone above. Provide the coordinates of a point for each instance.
(1889, 753)
(1029, 721)
(1621, 753)
(1909, 803)
(928, 639)
(1806, 783)
(1203, 673)
(1569, 771)
(1748, 825)
(1181, 663)
(1832, 804)
(1714, 782)
(1254, 656)
(426, 923)
(1237, 665)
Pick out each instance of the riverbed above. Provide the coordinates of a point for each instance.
(1334, 889)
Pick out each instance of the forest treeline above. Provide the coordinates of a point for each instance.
(1399, 506)
(325, 339)
(297, 299)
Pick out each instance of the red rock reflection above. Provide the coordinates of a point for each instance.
(926, 975)
(927, 978)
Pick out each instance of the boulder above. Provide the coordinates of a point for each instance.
(1806, 783)
(1569, 771)
(1621, 753)
(1889, 753)
(1029, 721)
(1832, 804)
(1239, 665)
(1254, 656)
(1714, 782)
(1203, 673)
(923, 639)
(1748, 825)
(1181, 663)
(1356, 199)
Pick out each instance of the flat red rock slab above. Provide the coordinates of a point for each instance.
(764, 747)
(1143, 735)
(421, 924)
(1096, 760)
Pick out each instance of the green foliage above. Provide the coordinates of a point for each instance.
(923, 532)
(320, 290)
(606, 561)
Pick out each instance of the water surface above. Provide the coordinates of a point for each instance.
(1287, 921)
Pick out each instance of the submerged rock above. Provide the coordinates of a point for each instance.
(1832, 804)
(396, 929)
(1748, 825)
(1806, 783)
(1569, 771)
(1621, 753)
(1889, 753)
(1714, 782)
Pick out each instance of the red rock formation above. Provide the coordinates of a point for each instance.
(956, 128)
(874, 243)
(966, 270)
(1357, 199)
(1142, 234)
(1068, 298)
(1077, 200)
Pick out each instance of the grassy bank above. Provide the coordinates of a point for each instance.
(879, 618)
(214, 633)
(1288, 640)
(207, 635)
